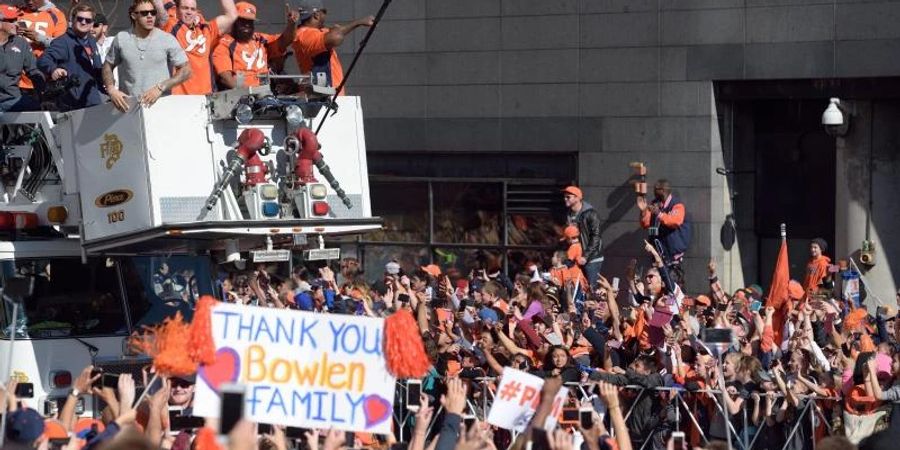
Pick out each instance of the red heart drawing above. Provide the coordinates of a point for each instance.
(377, 410)
(225, 370)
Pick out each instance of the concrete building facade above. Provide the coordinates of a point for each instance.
(686, 86)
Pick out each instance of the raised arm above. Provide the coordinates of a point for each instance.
(508, 343)
(335, 36)
(290, 27)
(229, 15)
(610, 396)
(162, 16)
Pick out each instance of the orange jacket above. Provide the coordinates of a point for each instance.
(672, 219)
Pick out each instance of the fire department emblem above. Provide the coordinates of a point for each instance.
(111, 150)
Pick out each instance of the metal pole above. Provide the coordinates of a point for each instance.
(796, 427)
(330, 106)
(724, 404)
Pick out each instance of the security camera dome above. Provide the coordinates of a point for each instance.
(833, 115)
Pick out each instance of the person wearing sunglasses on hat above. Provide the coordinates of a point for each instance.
(143, 56)
(314, 46)
(75, 57)
(16, 58)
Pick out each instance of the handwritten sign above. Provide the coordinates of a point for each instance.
(517, 399)
(300, 369)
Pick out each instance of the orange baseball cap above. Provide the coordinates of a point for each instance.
(246, 10)
(702, 300)
(8, 12)
(432, 269)
(574, 191)
(571, 231)
(53, 429)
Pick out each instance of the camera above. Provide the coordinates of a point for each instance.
(867, 253)
(834, 119)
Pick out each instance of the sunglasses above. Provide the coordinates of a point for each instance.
(84, 20)
(146, 12)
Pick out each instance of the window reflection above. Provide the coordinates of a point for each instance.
(532, 229)
(468, 213)
(404, 208)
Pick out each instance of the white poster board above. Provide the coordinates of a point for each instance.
(300, 369)
(517, 398)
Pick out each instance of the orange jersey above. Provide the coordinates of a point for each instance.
(250, 59)
(574, 252)
(314, 56)
(816, 271)
(198, 42)
(49, 22)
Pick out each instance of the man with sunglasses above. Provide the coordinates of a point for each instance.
(75, 57)
(150, 61)
(15, 58)
(100, 32)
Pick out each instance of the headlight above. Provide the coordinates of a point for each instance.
(243, 114)
(293, 115)
(318, 191)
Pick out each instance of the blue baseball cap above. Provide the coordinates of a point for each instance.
(24, 426)
(488, 315)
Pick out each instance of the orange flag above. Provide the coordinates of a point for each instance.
(781, 278)
(778, 291)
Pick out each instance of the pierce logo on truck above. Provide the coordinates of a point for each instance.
(113, 198)
(111, 149)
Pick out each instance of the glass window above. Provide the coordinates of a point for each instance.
(409, 257)
(519, 260)
(404, 208)
(69, 299)
(460, 261)
(158, 287)
(468, 213)
(533, 229)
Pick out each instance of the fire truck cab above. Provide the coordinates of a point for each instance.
(113, 221)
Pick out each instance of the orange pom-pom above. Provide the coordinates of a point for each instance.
(202, 347)
(855, 320)
(168, 345)
(403, 347)
(206, 440)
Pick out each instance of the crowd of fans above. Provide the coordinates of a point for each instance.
(58, 61)
(808, 369)
(798, 366)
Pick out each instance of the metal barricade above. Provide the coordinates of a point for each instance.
(809, 412)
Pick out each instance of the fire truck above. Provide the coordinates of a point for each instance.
(111, 221)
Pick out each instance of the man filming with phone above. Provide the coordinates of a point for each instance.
(665, 219)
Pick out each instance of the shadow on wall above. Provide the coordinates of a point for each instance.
(619, 202)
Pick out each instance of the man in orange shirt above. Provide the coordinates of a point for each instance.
(43, 22)
(314, 45)
(243, 55)
(198, 38)
(817, 267)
